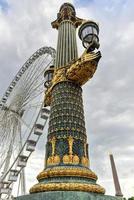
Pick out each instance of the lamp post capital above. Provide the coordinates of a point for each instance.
(66, 12)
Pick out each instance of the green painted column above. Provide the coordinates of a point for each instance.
(67, 127)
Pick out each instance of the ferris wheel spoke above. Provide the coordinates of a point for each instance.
(25, 96)
(1, 165)
(29, 72)
(30, 99)
(10, 151)
(34, 74)
(35, 80)
(38, 84)
(37, 90)
(39, 73)
(23, 121)
(4, 126)
(33, 94)
(38, 104)
(36, 65)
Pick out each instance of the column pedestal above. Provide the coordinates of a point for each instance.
(67, 195)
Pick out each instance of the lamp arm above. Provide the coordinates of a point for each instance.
(79, 72)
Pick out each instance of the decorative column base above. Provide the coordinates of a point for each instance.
(67, 179)
(67, 195)
(84, 187)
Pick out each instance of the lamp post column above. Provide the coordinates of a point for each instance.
(67, 160)
(67, 133)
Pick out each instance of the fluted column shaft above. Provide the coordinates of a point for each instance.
(66, 46)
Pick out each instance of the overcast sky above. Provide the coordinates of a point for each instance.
(25, 26)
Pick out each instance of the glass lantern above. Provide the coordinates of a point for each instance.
(88, 33)
(48, 75)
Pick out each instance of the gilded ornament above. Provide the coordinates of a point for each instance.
(70, 158)
(76, 159)
(79, 71)
(63, 171)
(85, 161)
(70, 141)
(56, 159)
(67, 13)
(66, 159)
(85, 187)
(49, 161)
(84, 68)
(53, 142)
(53, 160)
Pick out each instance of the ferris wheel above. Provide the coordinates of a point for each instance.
(22, 120)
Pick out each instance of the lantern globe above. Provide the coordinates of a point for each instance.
(88, 33)
(48, 75)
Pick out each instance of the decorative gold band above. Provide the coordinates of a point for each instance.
(62, 171)
(67, 187)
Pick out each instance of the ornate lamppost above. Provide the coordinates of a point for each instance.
(67, 173)
(67, 160)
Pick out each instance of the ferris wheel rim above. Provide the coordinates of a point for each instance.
(23, 69)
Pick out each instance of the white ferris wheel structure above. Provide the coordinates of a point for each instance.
(22, 120)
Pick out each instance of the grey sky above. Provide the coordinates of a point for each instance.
(108, 97)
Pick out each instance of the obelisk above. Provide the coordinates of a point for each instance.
(118, 191)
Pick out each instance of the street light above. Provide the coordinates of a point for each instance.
(48, 75)
(88, 33)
